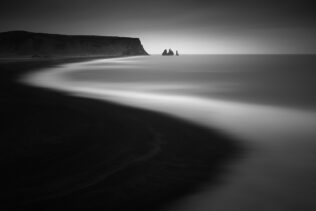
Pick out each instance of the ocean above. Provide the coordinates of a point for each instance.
(287, 80)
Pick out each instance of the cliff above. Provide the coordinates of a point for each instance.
(28, 44)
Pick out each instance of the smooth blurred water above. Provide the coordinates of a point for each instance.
(265, 101)
(266, 79)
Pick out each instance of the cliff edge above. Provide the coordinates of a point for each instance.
(23, 44)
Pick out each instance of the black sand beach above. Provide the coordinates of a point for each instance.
(60, 152)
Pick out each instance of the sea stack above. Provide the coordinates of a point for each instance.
(177, 53)
(168, 53)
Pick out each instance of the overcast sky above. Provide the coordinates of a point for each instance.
(191, 26)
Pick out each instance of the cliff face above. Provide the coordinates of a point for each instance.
(28, 44)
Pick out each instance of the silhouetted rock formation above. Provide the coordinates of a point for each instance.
(168, 53)
(40, 45)
(177, 53)
(165, 52)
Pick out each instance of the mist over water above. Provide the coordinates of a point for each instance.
(268, 79)
(266, 101)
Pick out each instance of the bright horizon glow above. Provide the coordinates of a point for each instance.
(229, 43)
(189, 26)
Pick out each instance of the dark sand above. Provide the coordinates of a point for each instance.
(68, 153)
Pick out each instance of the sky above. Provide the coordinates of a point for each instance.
(190, 26)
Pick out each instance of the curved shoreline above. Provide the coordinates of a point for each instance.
(60, 141)
(282, 138)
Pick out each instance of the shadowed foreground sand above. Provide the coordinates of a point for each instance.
(69, 153)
